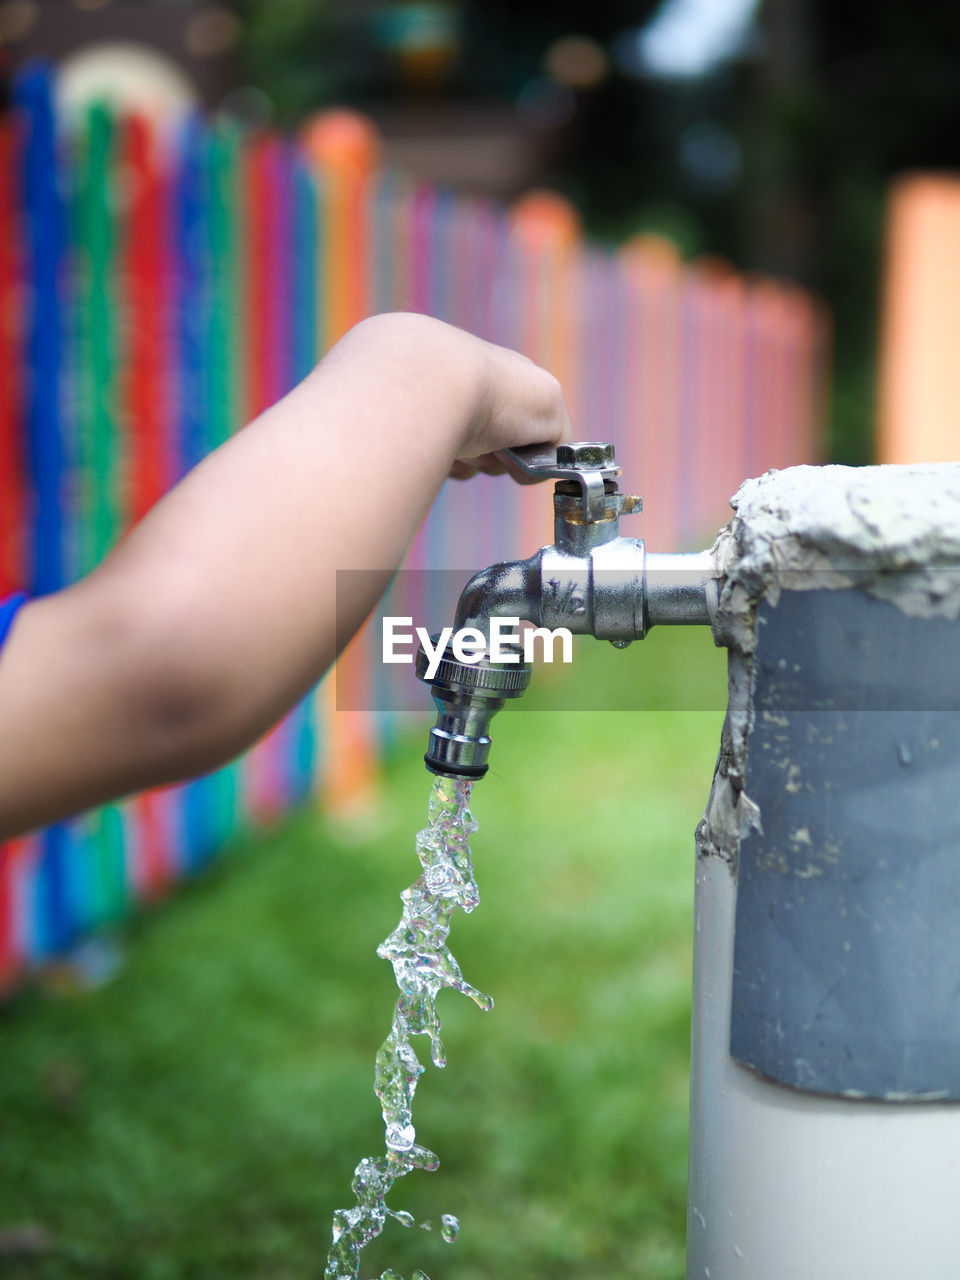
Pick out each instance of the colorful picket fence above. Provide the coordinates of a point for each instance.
(161, 286)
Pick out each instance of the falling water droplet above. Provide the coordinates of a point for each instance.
(450, 1227)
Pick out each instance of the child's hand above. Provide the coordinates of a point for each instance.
(493, 398)
(525, 405)
(226, 603)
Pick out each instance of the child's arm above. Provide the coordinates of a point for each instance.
(218, 611)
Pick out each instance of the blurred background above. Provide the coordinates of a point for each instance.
(731, 226)
(764, 131)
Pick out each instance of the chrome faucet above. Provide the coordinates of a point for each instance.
(591, 581)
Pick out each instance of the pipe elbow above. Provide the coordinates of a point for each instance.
(507, 590)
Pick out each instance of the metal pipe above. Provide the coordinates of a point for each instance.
(680, 589)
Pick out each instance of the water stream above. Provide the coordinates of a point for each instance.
(422, 964)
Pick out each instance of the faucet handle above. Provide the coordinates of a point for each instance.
(589, 462)
(566, 461)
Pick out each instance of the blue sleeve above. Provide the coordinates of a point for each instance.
(8, 611)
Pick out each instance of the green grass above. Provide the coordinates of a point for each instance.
(200, 1116)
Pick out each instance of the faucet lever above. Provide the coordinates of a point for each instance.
(588, 462)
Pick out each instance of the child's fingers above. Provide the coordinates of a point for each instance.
(462, 470)
(491, 464)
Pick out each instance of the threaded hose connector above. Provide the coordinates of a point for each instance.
(467, 696)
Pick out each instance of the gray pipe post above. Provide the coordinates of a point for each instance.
(825, 1090)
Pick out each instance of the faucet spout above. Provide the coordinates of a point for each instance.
(468, 694)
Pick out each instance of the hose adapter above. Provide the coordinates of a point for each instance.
(467, 696)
